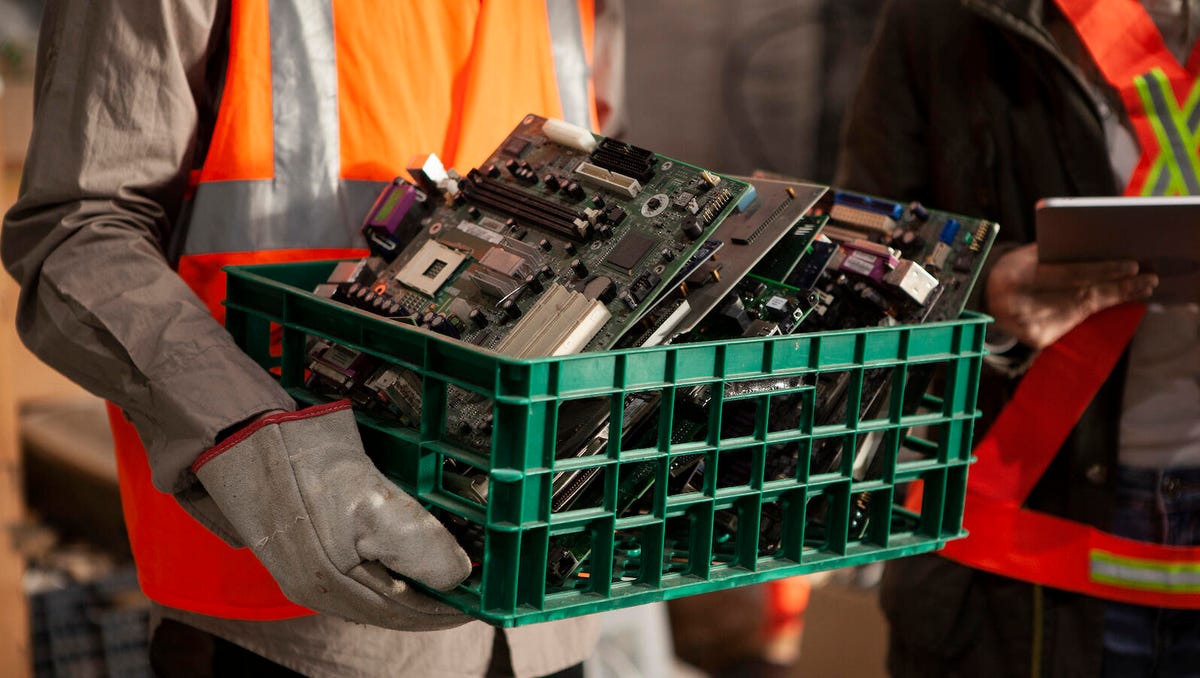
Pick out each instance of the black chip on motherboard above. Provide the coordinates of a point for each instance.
(514, 146)
(629, 251)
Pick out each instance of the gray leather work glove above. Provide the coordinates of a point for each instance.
(299, 490)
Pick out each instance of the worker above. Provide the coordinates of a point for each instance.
(1082, 558)
(172, 138)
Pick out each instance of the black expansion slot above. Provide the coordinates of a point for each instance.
(622, 158)
(535, 210)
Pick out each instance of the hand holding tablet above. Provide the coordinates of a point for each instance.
(1038, 302)
(1162, 234)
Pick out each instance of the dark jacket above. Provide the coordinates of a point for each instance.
(969, 106)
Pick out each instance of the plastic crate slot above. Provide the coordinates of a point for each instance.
(829, 528)
(637, 553)
(581, 489)
(535, 548)
(638, 489)
(577, 423)
(638, 417)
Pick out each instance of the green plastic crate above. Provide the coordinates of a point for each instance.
(643, 558)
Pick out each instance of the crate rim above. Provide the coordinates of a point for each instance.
(249, 272)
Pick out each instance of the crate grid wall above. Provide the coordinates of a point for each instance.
(636, 559)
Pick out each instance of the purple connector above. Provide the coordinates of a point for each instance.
(390, 208)
(870, 259)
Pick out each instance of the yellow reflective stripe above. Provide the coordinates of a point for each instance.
(1143, 574)
(1176, 168)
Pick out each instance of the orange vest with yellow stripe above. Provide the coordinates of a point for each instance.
(324, 102)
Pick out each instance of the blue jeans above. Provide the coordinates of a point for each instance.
(1162, 507)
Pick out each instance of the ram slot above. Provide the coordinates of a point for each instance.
(535, 210)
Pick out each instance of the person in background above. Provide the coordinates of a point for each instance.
(173, 138)
(983, 107)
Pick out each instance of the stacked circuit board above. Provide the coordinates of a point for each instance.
(559, 243)
(852, 261)
(563, 241)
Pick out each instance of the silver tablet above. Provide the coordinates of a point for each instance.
(1161, 233)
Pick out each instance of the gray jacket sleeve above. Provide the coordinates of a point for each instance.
(120, 87)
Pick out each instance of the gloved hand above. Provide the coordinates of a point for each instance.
(301, 493)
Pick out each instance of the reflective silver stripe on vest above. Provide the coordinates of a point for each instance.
(245, 216)
(306, 204)
(1138, 573)
(571, 70)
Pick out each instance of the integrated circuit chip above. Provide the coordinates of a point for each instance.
(629, 251)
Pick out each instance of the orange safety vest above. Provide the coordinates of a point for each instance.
(324, 103)
(1161, 98)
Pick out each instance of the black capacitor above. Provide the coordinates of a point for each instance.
(551, 182)
(918, 211)
(604, 231)
(492, 171)
(442, 325)
(692, 229)
(533, 284)
(427, 319)
(598, 201)
(545, 271)
(579, 268)
(511, 309)
(601, 288)
(544, 245)
(478, 317)
(630, 302)
(511, 224)
(473, 212)
(569, 248)
(667, 254)
(575, 191)
(512, 166)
